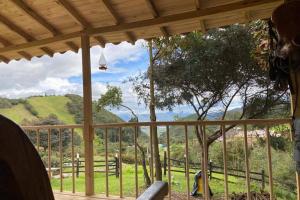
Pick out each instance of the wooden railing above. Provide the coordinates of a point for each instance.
(266, 123)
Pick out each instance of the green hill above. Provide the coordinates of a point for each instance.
(68, 109)
(17, 113)
(52, 105)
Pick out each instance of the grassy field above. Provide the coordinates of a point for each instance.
(178, 183)
(52, 104)
(17, 113)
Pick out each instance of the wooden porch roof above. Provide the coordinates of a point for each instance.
(43, 27)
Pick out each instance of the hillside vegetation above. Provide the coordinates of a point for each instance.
(67, 109)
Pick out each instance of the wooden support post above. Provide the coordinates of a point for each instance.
(295, 108)
(165, 163)
(262, 180)
(87, 113)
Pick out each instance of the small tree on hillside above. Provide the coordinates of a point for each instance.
(113, 98)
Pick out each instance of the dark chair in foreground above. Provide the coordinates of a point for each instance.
(22, 173)
(157, 191)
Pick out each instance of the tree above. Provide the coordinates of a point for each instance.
(54, 133)
(113, 98)
(152, 106)
(210, 71)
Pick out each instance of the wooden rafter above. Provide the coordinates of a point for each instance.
(4, 59)
(248, 17)
(152, 8)
(26, 55)
(197, 4)
(38, 18)
(100, 40)
(203, 26)
(6, 43)
(73, 13)
(165, 31)
(71, 10)
(10, 25)
(48, 51)
(114, 14)
(155, 22)
(42, 21)
(111, 11)
(131, 37)
(155, 14)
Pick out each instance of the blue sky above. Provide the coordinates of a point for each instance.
(62, 75)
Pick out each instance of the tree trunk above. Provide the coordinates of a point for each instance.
(144, 165)
(157, 163)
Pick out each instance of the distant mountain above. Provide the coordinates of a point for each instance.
(231, 114)
(161, 116)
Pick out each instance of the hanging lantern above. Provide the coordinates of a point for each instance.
(102, 62)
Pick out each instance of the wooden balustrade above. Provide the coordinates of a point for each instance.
(135, 126)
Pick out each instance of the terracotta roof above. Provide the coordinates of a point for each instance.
(43, 27)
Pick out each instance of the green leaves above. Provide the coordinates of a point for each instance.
(112, 98)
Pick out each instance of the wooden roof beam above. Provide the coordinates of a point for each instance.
(6, 43)
(155, 14)
(159, 21)
(203, 26)
(72, 46)
(152, 8)
(43, 22)
(111, 11)
(100, 40)
(38, 18)
(131, 37)
(25, 55)
(116, 18)
(15, 29)
(48, 51)
(197, 4)
(4, 59)
(20, 32)
(73, 13)
(71, 10)
(165, 31)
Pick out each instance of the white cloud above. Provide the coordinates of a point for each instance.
(25, 78)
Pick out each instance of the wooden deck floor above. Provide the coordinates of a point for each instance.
(68, 196)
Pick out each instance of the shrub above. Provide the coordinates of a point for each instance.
(30, 108)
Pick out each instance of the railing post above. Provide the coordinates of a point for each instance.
(117, 166)
(165, 163)
(210, 169)
(87, 115)
(262, 179)
(77, 167)
(247, 162)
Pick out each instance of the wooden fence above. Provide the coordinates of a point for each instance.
(99, 166)
(213, 169)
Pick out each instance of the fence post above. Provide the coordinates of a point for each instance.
(165, 163)
(262, 179)
(117, 165)
(184, 166)
(210, 165)
(77, 167)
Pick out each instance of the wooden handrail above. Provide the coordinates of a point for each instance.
(266, 123)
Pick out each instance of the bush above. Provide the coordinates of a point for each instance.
(5, 103)
(30, 108)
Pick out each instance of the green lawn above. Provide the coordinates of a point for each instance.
(178, 185)
(17, 113)
(53, 104)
